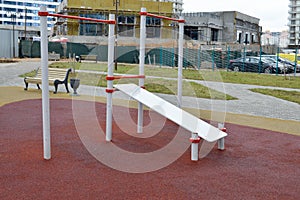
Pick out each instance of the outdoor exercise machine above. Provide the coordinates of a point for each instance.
(141, 76)
(44, 65)
(197, 127)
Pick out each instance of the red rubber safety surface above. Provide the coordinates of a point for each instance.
(257, 163)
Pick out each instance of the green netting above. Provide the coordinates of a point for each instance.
(165, 57)
(161, 56)
(25, 48)
(101, 52)
(56, 47)
(127, 54)
(190, 57)
(35, 49)
(77, 49)
(32, 49)
(210, 57)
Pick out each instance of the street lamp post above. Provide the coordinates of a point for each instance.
(25, 23)
(13, 16)
(116, 3)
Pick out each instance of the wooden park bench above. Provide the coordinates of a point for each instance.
(88, 57)
(55, 76)
(54, 56)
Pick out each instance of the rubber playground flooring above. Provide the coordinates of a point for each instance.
(261, 160)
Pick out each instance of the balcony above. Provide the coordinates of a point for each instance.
(291, 24)
(294, 4)
(294, 11)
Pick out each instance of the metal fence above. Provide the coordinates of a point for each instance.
(195, 56)
(8, 44)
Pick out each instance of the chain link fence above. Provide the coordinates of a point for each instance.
(196, 55)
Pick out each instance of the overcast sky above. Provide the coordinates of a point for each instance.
(273, 14)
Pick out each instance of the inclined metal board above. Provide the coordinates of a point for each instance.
(172, 112)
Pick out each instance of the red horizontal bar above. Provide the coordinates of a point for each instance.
(77, 17)
(163, 17)
(109, 90)
(143, 13)
(43, 13)
(111, 78)
(223, 129)
(195, 140)
(84, 18)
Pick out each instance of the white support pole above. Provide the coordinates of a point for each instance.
(110, 73)
(141, 66)
(45, 87)
(194, 146)
(180, 62)
(221, 142)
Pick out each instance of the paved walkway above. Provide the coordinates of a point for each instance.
(248, 102)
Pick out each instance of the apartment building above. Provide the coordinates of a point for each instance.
(126, 10)
(294, 23)
(22, 15)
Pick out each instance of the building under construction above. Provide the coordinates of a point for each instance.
(127, 12)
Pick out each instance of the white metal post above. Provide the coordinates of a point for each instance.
(141, 66)
(45, 87)
(194, 146)
(180, 61)
(110, 61)
(221, 142)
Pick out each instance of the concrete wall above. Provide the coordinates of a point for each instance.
(236, 22)
(227, 23)
(6, 44)
(229, 29)
(247, 18)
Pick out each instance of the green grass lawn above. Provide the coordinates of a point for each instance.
(218, 75)
(292, 96)
(158, 85)
(167, 86)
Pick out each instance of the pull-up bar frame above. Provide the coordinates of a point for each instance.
(180, 21)
(109, 78)
(162, 17)
(44, 65)
(41, 13)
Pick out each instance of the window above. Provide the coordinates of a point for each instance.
(126, 19)
(202, 36)
(214, 35)
(150, 21)
(126, 30)
(126, 26)
(153, 27)
(246, 38)
(9, 2)
(254, 60)
(153, 32)
(239, 37)
(252, 38)
(91, 28)
(191, 33)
